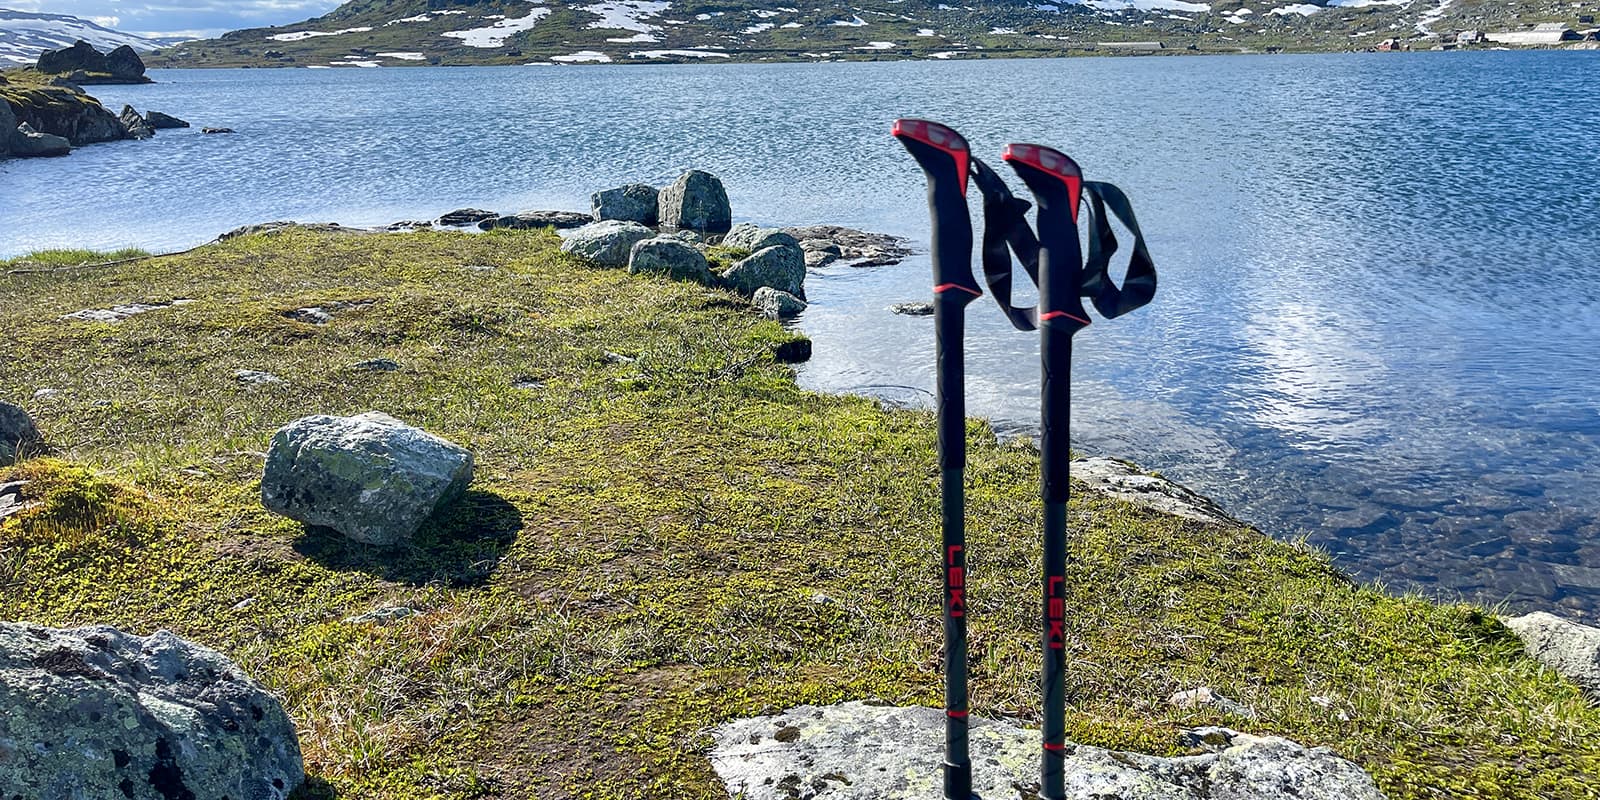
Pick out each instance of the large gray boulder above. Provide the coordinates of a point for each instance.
(855, 751)
(607, 244)
(745, 236)
(30, 143)
(124, 62)
(783, 267)
(1564, 647)
(696, 201)
(96, 713)
(370, 477)
(667, 255)
(1124, 481)
(636, 202)
(17, 432)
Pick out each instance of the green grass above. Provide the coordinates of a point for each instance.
(49, 259)
(655, 546)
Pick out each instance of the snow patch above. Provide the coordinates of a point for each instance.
(680, 53)
(627, 15)
(1001, 31)
(877, 46)
(584, 56)
(926, 32)
(764, 14)
(638, 38)
(496, 35)
(790, 25)
(759, 27)
(1146, 5)
(405, 56)
(1303, 9)
(946, 55)
(853, 22)
(302, 35)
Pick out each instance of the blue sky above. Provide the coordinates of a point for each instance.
(176, 17)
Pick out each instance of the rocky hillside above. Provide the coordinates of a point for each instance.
(25, 34)
(371, 33)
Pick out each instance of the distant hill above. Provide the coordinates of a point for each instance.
(24, 35)
(370, 33)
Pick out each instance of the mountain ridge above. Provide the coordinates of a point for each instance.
(26, 34)
(370, 33)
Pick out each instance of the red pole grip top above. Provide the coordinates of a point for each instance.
(1054, 162)
(937, 136)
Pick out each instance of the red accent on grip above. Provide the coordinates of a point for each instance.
(1055, 747)
(1054, 162)
(938, 136)
(1046, 317)
(956, 714)
(969, 290)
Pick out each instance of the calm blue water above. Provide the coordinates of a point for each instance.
(1377, 326)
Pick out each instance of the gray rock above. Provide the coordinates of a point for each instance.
(370, 477)
(124, 62)
(820, 253)
(255, 377)
(636, 202)
(8, 128)
(382, 616)
(914, 309)
(376, 365)
(216, 130)
(1207, 697)
(97, 713)
(135, 124)
(122, 312)
(1566, 648)
(607, 244)
(667, 255)
(775, 304)
(30, 143)
(854, 751)
(462, 217)
(527, 220)
(695, 201)
(745, 236)
(283, 226)
(781, 267)
(861, 248)
(1125, 482)
(162, 122)
(17, 432)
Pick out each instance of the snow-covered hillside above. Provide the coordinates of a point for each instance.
(24, 35)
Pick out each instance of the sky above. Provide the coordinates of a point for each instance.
(196, 18)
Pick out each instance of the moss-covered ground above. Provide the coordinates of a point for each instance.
(658, 544)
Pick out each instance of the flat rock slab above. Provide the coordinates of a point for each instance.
(856, 751)
(122, 312)
(1125, 482)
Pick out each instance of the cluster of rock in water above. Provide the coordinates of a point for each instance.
(52, 120)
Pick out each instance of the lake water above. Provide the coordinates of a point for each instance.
(1377, 322)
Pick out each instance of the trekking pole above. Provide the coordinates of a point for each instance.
(1064, 278)
(1057, 184)
(945, 159)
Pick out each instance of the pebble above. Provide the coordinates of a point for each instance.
(255, 377)
(913, 309)
(376, 365)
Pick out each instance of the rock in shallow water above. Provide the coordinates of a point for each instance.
(636, 202)
(697, 202)
(370, 477)
(782, 267)
(854, 751)
(775, 304)
(98, 713)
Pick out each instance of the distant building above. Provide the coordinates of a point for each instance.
(1390, 45)
(1547, 33)
(1469, 37)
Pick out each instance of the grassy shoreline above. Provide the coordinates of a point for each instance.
(659, 544)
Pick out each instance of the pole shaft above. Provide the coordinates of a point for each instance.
(951, 401)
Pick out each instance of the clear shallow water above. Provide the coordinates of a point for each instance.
(1377, 325)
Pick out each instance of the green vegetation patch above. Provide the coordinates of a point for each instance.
(658, 543)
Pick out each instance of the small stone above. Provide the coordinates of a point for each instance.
(161, 121)
(216, 130)
(526, 383)
(1204, 697)
(376, 365)
(1210, 737)
(255, 377)
(18, 433)
(311, 315)
(916, 309)
(45, 394)
(775, 304)
(382, 616)
(616, 359)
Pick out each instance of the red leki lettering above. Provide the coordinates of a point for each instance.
(1055, 614)
(956, 576)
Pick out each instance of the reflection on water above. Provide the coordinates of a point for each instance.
(1377, 321)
